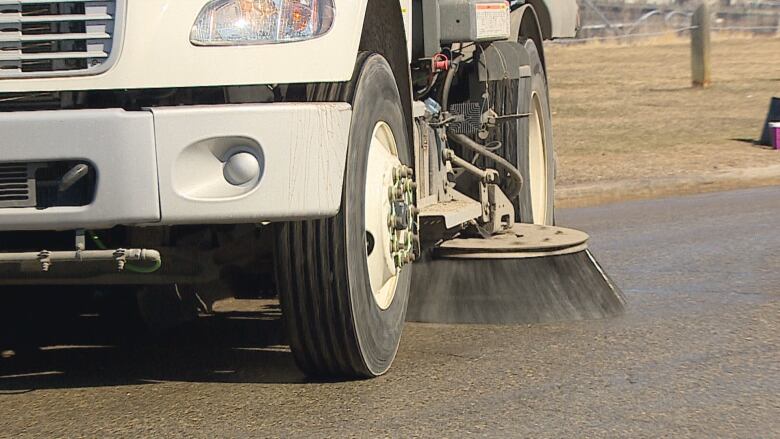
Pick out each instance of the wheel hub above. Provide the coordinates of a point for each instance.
(402, 221)
(390, 215)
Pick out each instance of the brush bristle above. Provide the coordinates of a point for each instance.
(513, 291)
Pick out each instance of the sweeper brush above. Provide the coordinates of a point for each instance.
(531, 274)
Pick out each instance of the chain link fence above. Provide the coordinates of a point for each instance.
(625, 20)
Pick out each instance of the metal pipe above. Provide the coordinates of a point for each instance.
(514, 173)
(47, 258)
(140, 255)
(465, 164)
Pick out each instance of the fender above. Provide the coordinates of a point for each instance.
(525, 23)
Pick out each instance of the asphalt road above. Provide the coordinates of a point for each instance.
(697, 354)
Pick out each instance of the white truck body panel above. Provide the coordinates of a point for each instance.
(564, 17)
(144, 161)
(156, 166)
(304, 147)
(156, 52)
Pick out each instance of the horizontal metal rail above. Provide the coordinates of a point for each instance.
(17, 18)
(16, 56)
(48, 258)
(12, 37)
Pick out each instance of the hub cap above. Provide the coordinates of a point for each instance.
(390, 215)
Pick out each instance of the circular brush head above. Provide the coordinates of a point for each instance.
(522, 290)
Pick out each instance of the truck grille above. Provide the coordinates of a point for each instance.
(17, 185)
(57, 37)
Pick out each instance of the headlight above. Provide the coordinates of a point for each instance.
(243, 22)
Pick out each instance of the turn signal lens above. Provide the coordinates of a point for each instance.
(245, 22)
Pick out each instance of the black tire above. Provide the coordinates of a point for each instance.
(509, 97)
(334, 325)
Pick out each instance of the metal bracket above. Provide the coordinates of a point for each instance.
(44, 257)
(502, 212)
(498, 213)
(120, 256)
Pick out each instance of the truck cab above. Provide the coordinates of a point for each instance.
(310, 150)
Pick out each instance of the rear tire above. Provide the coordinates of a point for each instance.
(336, 323)
(527, 142)
(535, 142)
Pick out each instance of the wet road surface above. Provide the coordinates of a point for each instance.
(697, 354)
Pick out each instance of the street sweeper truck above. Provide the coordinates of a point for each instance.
(353, 158)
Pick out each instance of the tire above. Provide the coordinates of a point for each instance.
(335, 326)
(529, 95)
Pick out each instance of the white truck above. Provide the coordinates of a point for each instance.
(313, 149)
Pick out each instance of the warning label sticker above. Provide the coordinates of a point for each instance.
(492, 21)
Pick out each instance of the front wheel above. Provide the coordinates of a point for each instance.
(342, 287)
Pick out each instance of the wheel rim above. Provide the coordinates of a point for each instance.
(537, 162)
(382, 160)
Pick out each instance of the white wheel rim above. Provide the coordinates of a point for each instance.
(537, 162)
(382, 160)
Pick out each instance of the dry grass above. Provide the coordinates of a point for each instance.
(628, 112)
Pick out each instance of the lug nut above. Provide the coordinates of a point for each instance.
(396, 194)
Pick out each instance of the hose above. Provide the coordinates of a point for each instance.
(445, 91)
(514, 173)
(129, 266)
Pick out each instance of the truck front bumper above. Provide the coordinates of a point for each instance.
(164, 166)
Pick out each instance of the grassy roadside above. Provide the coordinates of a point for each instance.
(628, 124)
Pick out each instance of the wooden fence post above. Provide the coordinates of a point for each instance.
(700, 46)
